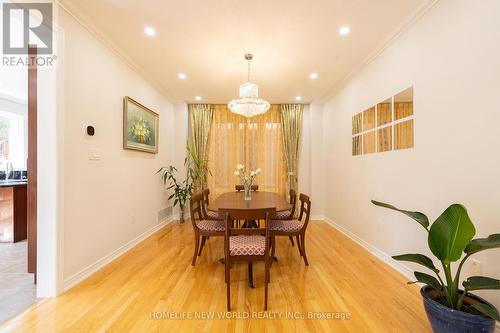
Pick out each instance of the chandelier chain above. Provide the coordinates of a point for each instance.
(248, 73)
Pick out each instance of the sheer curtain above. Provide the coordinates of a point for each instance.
(256, 143)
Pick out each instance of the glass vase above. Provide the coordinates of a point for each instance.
(248, 192)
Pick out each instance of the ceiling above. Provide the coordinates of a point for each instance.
(206, 39)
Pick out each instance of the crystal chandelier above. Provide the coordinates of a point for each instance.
(249, 104)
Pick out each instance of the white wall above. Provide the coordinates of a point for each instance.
(304, 167)
(451, 57)
(316, 160)
(110, 202)
(310, 161)
(181, 124)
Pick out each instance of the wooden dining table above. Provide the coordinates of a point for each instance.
(260, 200)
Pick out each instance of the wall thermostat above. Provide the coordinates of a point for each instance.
(90, 130)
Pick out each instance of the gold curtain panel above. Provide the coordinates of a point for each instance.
(201, 119)
(291, 121)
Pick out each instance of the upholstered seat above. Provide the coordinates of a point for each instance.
(212, 215)
(285, 225)
(211, 225)
(283, 214)
(247, 245)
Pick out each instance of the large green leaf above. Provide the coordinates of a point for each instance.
(480, 244)
(428, 280)
(487, 310)
(417, 216)
(480, 282)
(450, 233)
(417, 258)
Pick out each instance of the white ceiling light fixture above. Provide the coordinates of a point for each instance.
(149, 31)
(198, 98)
(182, 76)
(249, 104)
(344, 30)
(313, 76)
(298, 98)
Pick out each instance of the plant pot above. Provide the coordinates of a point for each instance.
(181, 215)
(446, 320)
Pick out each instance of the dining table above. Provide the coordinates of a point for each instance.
(259, 200)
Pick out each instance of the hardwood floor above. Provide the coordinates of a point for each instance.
(156, 279)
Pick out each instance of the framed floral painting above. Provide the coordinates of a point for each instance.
(140, 127)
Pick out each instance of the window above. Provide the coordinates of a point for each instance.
(256, 143)
(12, 140)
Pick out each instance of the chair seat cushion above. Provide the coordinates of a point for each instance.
(213, 215)
(283, 214)
(211, 225)
(285, 225)
(247, 245)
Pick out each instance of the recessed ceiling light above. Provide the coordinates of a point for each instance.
(298, 98)
(313, 76)
(182, 76)
(149, 31)
(198, 98)
(344, 30)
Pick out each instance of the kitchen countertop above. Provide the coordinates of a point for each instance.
(13, 182)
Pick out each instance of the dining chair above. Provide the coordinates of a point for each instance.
(294, 227)
(247, 245)
(240, 187)
(289, 214)
(209, 214)
(254, 188)
(203, 228)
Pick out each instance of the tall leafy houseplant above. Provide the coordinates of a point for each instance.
(196, 170)
(450, 239)
(182, 190)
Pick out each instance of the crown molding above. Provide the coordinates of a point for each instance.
(70, 8)
(385, 44)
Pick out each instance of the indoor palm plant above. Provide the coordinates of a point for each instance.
(196, 169)
(450, 239)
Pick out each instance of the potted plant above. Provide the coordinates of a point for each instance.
(196, 169)
(182, 189)
(450, 239)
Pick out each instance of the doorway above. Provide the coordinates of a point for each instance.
(18, 188)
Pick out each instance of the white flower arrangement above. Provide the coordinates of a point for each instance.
(246, 179)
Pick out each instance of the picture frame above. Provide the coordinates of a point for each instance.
(140, 127)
